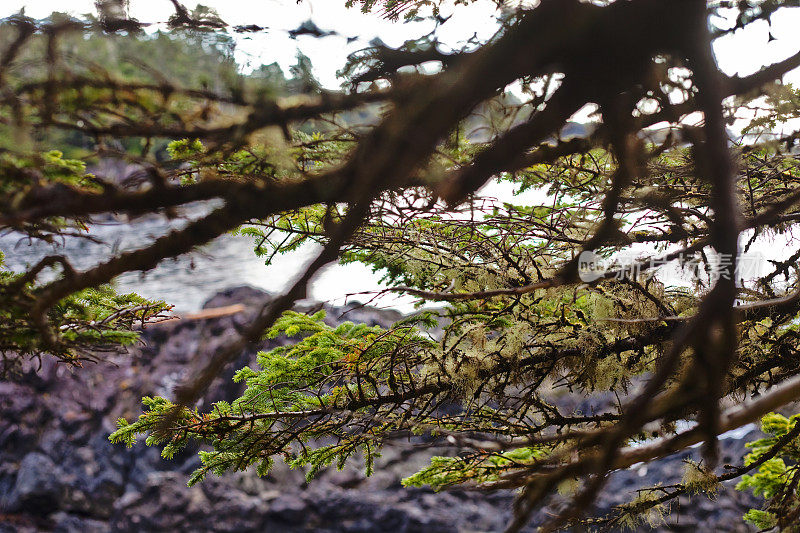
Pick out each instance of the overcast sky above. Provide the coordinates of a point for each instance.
(744, 52)
(328, 54)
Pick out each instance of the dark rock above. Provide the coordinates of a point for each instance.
(58, 472)
(68, 523)
(288, 508)
(38, 488)
(244, 294)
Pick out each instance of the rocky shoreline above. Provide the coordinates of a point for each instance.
(58, 471)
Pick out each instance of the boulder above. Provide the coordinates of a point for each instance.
(38, 488)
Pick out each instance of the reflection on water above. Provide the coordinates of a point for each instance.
(189, 280)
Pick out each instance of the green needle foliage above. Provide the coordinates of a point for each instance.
(527, 373)
(776, 478)
(328, 370)
(89, 321)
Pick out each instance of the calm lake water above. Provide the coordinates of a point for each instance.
(188, 281)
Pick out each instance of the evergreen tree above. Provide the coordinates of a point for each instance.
(510, 313)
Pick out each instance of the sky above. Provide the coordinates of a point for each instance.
(328, 54)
